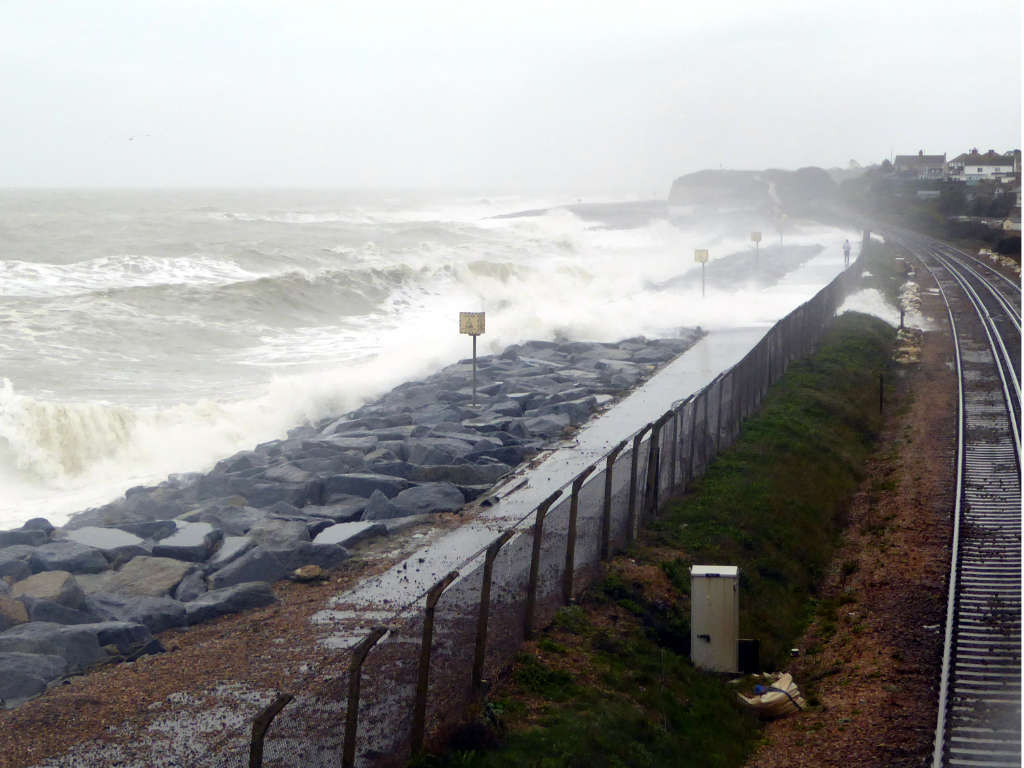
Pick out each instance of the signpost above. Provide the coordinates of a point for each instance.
(700, 255)
(472, 324)
(756, 237)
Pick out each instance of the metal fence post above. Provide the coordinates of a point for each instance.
(485, 605)
(419, 717)
(606, 510)
(355, 672)
(674, 453)
(531, 589)
(260, 724)
(654, 467)
(570, 544)
(631, 516)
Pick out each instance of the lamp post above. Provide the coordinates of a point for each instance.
(700, 255)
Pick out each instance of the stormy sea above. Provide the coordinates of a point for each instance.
(144, 333)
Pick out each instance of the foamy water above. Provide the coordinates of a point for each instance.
(150, 333)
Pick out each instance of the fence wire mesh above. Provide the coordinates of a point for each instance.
(616, 498)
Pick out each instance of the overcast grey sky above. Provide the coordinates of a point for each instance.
(507, 95)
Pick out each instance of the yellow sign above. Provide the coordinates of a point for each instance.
(471, 323)
(755, 236)
(700, 255)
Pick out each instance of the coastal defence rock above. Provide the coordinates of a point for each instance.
(55, 586)
(76, 645)
(156, 613)
(200, 545)
(67, 556)
(221, 602)
(24, 675)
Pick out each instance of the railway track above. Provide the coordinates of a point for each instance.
(979, 720)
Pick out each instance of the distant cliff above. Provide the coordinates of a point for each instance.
(768, 190)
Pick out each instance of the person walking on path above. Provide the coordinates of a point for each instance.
(846, 253)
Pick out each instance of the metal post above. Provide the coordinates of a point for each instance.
(570, 544)
(531, 590)
(757, 254)
(702, 279)
(474, 371)
(355, 672)
(260, 724)
(485, 605)
(419, 716)
(654, 466)
(634, 465)
(606, 511)
(674, 453)
(693, 444)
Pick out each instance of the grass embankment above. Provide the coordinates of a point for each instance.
(610, 683)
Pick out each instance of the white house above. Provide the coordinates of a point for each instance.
(974, 166)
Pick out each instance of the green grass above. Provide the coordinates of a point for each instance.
(610, 683)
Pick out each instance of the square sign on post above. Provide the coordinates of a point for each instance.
(700, 255)
(471, 323)
(755, 236)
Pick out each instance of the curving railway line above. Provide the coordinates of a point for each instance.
(979, 707)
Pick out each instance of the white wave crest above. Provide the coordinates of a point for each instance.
(38, 280)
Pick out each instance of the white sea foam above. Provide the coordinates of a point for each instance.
(38, 280)
(63, 448)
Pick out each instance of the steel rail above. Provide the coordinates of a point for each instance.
(978, 721)
(1005, 365)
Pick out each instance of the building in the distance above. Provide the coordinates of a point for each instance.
(974, 166)
(921, 166)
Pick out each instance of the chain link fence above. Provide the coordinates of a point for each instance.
(415, 671)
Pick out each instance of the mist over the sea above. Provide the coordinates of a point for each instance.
(147, 333)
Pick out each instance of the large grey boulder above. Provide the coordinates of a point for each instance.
(362, 484)
(232, 520)
(24, 675)
(262, 494)
(463, 474)
(192, 541)
(231, 548)
(258, 564)
(157, 613)
(429, 498)
(191, 587)
(48, 610)
(77, 645)
(151, 529)
(379, 507)
(549, 425)
(343, 509)
(437, 450)
(279, 533)
(153, 576)
(12, 612)
(67, 556)
(116, 545)
(38, 524)
(221, 602)
(30, 537)
(327, 556)
(347, 534)
(130, 639)
(14, 562)
(287, 473)
(56, 586)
